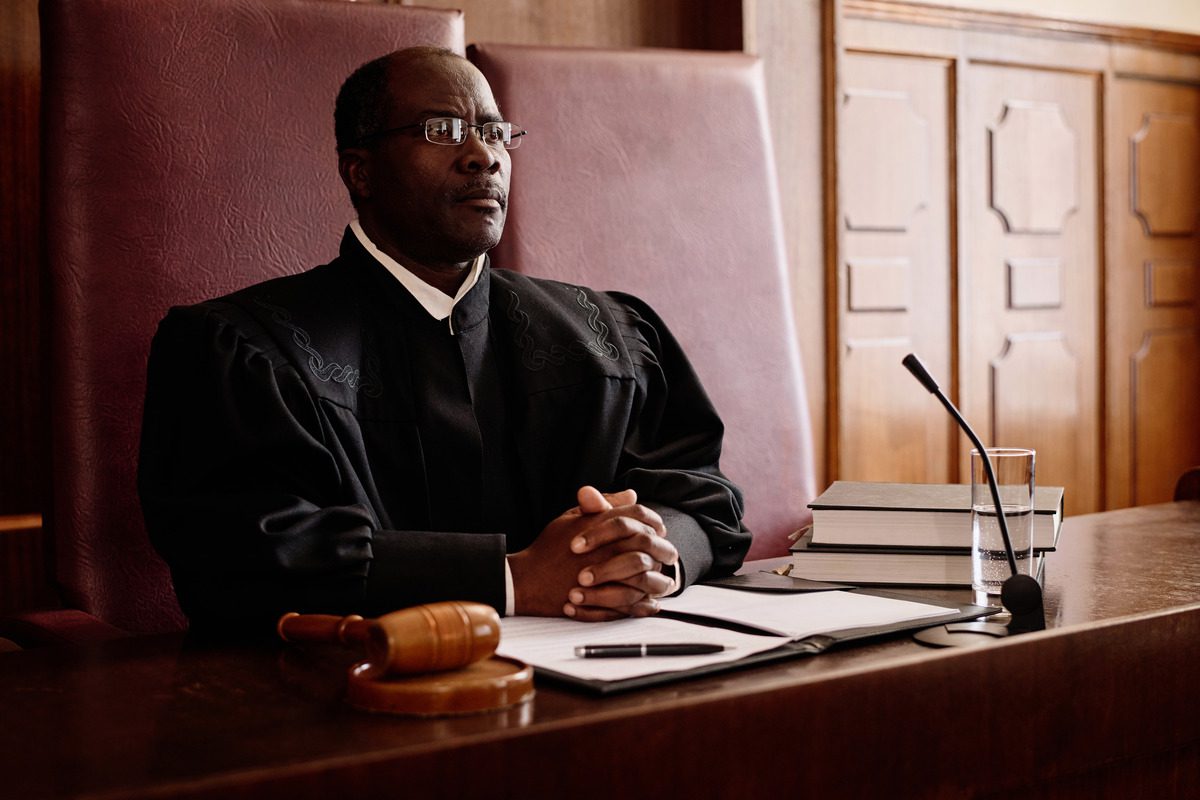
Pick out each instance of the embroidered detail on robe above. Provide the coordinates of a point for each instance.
(536, 358)
(326, 371)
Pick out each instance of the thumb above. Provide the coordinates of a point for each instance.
(591, 501)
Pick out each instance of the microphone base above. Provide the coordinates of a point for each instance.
(1022, 599)
(961, 634)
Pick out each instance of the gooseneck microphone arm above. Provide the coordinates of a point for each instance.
(914, 365)
(1020, 594)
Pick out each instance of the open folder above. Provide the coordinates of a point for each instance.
(754, 627)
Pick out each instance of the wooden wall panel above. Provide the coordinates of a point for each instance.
(1030, 373)
(1088, 354)
(1152, 284)
(885, 159)
(1163, 384)
(894, 285)
(23, 581)
(1165, 174)
(1018, 414)
(1033, 167)
(1035, 283)
(24, 374)
(888, 431)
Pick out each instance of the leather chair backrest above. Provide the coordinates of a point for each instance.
(652, 172)
(188, 151)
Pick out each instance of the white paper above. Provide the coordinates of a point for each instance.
(550, 642)
(800, 615)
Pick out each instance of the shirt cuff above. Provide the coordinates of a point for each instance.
(510, 599)
(675, 573)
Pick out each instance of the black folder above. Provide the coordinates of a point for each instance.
(811, 645)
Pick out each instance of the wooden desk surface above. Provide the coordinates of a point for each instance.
(1104, 704)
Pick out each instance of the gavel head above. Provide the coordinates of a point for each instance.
(431, 638)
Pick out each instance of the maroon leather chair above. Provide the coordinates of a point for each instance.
(652, 172)
(189, 151)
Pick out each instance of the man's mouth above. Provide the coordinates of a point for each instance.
(487, 198)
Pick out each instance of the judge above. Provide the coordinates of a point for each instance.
(407, 424)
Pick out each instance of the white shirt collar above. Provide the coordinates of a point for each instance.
(434, 300)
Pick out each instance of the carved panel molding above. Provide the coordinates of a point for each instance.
(1171, 283)
(886, 156)
(893, 281)
(879, 284)
(1034, 167)
(1034, 283)
(1165, 164)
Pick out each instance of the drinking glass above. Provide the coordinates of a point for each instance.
(1014, 470)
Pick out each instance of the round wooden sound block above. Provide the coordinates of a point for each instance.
(487, 685)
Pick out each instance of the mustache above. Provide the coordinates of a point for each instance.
(486, 188)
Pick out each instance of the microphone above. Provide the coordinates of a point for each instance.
(1021, 595)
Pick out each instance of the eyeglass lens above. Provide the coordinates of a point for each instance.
(451, 130)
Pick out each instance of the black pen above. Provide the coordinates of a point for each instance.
(640, 650)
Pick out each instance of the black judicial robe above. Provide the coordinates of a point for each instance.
(319, 443)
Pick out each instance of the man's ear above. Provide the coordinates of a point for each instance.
(354, 167)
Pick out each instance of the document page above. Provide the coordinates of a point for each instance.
(799, 615)
(550, 642)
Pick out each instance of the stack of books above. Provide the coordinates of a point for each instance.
(905, 534)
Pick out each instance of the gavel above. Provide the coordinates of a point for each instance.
(430, 638)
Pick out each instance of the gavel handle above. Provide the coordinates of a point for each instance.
(323, 628)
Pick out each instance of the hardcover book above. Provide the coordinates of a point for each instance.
(916, 515)
(885, 566)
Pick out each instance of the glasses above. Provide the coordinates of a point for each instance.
(453, 131)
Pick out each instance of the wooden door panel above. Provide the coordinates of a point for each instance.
(887, 175)
(1073, 245)
(1152, 286)
(1032, 168)
(1164, 412)
(1030, 268)
(894, 278)
(1166, 173)
(1036, 397)
(895, 437)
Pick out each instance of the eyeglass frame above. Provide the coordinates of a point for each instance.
(513, 142)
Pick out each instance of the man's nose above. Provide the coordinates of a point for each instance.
(477, 156)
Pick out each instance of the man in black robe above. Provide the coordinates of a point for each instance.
(406, 424)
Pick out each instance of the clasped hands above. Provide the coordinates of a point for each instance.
(598, 561)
